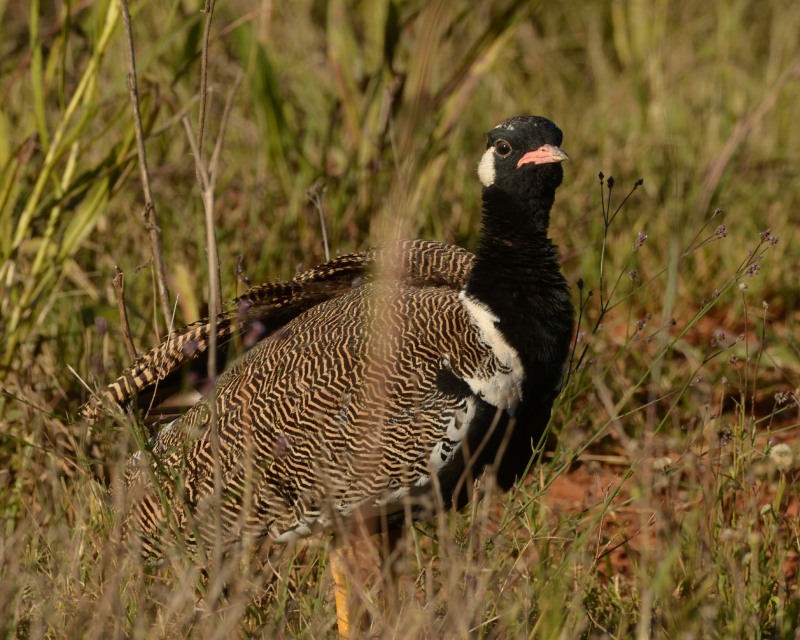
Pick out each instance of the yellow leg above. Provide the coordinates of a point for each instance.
(339, 572)
(347, 557)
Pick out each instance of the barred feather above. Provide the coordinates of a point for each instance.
(339, 410)
(266, 307)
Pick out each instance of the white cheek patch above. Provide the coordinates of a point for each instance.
(486, 168)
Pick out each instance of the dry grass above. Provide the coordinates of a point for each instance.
(380, 108)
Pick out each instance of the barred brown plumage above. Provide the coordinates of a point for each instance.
(337, 445)
(382, 380)
(265, 307)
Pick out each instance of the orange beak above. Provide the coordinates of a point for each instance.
(543, 155)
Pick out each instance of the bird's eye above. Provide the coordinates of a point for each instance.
(502, 148)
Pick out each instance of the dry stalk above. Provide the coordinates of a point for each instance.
(315, 196)
(201, 123)
(206, 178)
(119, 287)
(201, 119)
(207, 193)
(214, 163)
(149, 214)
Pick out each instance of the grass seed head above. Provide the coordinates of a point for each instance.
(782, 457)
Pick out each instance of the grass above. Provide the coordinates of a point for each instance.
(667, 506)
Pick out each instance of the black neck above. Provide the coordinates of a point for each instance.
(518, 276)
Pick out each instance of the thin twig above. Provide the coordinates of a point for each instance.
(213, 165)
(201, 119)
(207, 194)
(314, 195)
(206, 177)
(200, 165)
(149, 214)
(119, 287)
(214, 307)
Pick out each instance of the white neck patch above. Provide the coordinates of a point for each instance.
(503, 388)
(486, 168)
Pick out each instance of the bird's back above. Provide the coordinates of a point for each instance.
(265, 308)
(352, 405)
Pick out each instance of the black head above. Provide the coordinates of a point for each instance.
(523, 157)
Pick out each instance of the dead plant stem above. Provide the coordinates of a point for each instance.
(119, 287)
(149, 215)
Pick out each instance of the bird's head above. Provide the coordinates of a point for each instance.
(523, 156)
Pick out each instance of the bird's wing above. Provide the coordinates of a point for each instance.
(342, 409)
(266, 307)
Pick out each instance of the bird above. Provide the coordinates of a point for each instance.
(379, 383)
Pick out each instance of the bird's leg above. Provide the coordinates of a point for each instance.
(340, 591)
(354, 564)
